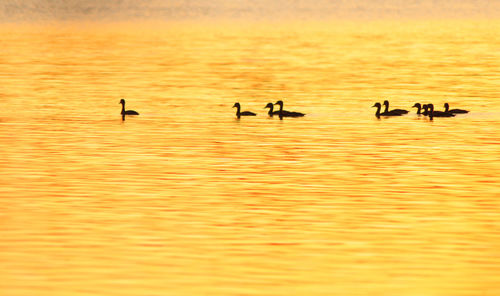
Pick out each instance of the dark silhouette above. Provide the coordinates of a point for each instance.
(433, 113)
(126, 112)
(271, 108)
(426, 109)
(378, 114)
(394, 111)
(282, 113)
(419, 107)
(454, 111)
(244, 113)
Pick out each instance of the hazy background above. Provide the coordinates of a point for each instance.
(120, 10)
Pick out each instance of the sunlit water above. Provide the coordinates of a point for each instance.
(187, 200)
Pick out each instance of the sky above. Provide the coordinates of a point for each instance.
(125, 10)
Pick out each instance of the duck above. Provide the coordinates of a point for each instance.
(433, 113)
(394, 111)
(454, 111)
(419, 107)
(282, 113)
(244, 113)
(126, 112)
(271, 108)
(378, 114)
(425, 107)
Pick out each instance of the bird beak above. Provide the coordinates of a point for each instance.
(374, 106)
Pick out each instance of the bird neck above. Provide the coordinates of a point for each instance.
(271, 108)
(446, 107)
(123, 108)
(378, 111)
(281, 112)
(238, 111)
(386, 107)
(418, 109)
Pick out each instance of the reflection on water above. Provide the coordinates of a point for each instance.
(186, 198)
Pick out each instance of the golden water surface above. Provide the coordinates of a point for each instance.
(185, 199)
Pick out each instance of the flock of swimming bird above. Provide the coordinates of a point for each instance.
(281, 113)
(428, 110)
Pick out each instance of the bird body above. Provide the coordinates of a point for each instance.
(283, 113)
(426, 109)
(126, 112)
(244, 113)
(419, 107)
(392, 112)
(433, 113)
(454, 111)
(271, 110)
(378, 114)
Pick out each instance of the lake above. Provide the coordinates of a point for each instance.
(186, 199)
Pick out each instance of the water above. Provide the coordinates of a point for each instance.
(187, 200)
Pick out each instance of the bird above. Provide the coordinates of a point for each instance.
(454, 111)
(244, 113)
(282, 113)
(271, 108)
(126, 112)
(394, 111)
(433, 113)
(419, 107)
(426, 110)
(378, 114)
